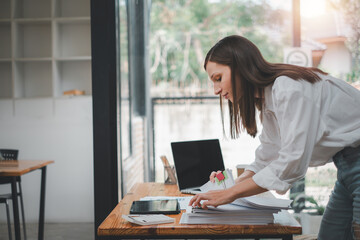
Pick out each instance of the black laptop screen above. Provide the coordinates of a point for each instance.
(195, 160)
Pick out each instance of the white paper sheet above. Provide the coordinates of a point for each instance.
(227, 183)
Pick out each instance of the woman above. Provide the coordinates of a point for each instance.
(309, 119)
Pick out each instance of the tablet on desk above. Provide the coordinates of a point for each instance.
(155, 207)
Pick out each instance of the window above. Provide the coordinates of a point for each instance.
(125, 103)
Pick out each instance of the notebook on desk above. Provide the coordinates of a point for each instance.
(194, 161)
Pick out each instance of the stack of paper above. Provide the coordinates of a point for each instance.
(254, 210)
(258, 202)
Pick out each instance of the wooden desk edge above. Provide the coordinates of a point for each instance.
(175, 229)
(18, 171)
(217, 230)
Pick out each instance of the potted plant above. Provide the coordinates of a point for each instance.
(311, 213)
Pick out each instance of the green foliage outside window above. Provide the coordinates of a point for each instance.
(351, 12)
(183, 31)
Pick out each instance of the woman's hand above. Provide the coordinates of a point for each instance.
(214, 198)
(245, 188)
(213, 175)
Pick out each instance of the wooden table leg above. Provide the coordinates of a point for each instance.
(42, 204)
(15, 208)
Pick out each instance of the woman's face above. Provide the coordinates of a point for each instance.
(220, 75)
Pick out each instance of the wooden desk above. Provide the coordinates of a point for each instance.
(26, 166)
(115, 227)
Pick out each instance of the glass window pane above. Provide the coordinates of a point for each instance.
(125, 104)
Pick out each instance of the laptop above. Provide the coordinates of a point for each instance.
(194, 161)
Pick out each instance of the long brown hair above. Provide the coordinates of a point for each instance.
(250, 74)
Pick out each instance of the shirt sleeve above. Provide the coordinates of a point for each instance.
(268, 149)
(298, 119)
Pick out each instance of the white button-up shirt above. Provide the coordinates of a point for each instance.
(304, 125)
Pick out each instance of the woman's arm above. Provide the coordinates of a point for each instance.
(215, 198)
(245, 175)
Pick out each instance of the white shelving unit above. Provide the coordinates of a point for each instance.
(72, 38)
(5, 40)
(72, 74)
(32, 79)
(32, 9)
(32, 39)
(45, 48)
(67, 8)
(5, 80)
(5, 9)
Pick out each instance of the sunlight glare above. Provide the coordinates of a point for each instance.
(312, 8)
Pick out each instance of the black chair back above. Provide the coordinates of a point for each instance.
(9, 154)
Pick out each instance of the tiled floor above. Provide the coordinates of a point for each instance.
(55, 231)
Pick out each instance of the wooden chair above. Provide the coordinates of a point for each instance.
(12, 154)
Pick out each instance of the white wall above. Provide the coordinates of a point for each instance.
(336, 60)
(52, 129)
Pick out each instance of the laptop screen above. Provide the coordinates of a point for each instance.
(195, 160)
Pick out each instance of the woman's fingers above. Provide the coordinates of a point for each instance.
(195, 201)
(211, 198)
(209, 203)
(213, 175)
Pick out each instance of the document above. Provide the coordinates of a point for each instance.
(235, 220)
(226, 182)
(263, 203)
(227, 214)
(254, 210)
(148, 219)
